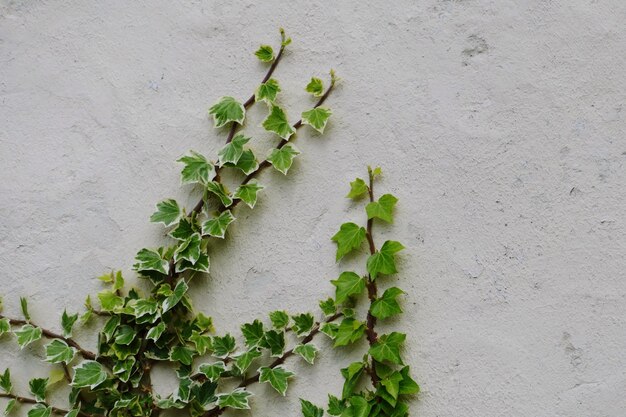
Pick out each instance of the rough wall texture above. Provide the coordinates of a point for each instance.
(499, 125)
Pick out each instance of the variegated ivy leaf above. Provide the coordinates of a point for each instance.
(247, 162)
(5, 326)
(217, 225)
(143, 307)
(40, 410)
(267, 91)
(244, 360)
(315, 87)
(72, 413)
(277, 122)
(275, 342)
(387, 305)
(197, 169)
(150, 260)
(5, 381)
(277, 377)
(223, 345)
(184, 389)
(280, 319)
(88, 374)
(358, 187)
(349, 331)
(349, 237)
(202, 342)
(221, 192)
(123, 369)
(189, 249)
(125, 335)
(202, 264)
(110, 326)
(308, 352)
(156, 332)
(310, 410)
(328, 307)
(10, 406)
(265, 53)
(212, 371)
(233, 150)
(109, 301)
(282, 158)
(317, 118)
(237, 399)
(24, 305)
(384, 261)
(67, 322)
(58, 351)
(348, 284)
(253, 333)
(182, 354)
(387, 348)
(56, 375)
(227, 110)
(27, 334)
(38, 388)
(248, 193)
(303, 323)
(173, 299)
(382, 209)
(168, 212)
(184, 229)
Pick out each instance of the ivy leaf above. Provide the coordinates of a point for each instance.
(265, 53)
(150, 260)
(58, 351)
(267, 91)
(189, 249)
(253, 333)
(317, 118)
(307, 351)
(38, 388)
(202, 265)
(351, 374)
(303, 323)
(143, 307)
(349, 237)
(184, 229)
(125, 335)
(408, 386)
(202, 342)
(348, 284)
(275, 342)
(24, 306)
(171, 301)
(335, 406)
(110, 326)
(244, 360)
(382, 209)
(359, 407)
(40, 410)
(217, 225)
(226, 110)
(27, 334)
(10, 406)
(212, 371)
(282, 158)
(237, 399)
(182, 354)
(5, 381)
(350, 331)
(223, 346)
(328, 307)
(88, 374)
(358, 187)
(277, 122)
(168, 212)
(221, 192)
(387, 306)
(5, 326)
(310, 410)
(109, 301)
(277, 377)
(233, 150)
(280, 319)
(67, 322)
(197, 169)
(247, 162)
(248, 193)
(156, 332)
(392, 384)
(315, 87)
(184, 390)
(387, 348)
(383, 261)
(330, 329)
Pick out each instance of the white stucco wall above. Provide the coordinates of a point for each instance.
(499, 124)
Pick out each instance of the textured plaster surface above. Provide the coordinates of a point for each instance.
(499, 125)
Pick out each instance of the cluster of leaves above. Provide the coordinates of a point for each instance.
(141, 330)
(389, 377)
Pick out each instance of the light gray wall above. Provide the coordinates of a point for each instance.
(499, 125)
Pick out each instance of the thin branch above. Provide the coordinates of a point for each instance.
(372, 290)
(26, 400)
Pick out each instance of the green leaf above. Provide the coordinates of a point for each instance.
(182, 354)
(5, 381)
(310, 410)
(109, 301)
(248, 193)
(212, 371)
(202, 265)
(150, 260)
(277, 122)
(247, 162)
(282, 158)
(382, 209)
(383, 261)
(387, 348)
(328, 307)
(144, 307)
(67, 322)
(217, 225)
(350, 331)
(277, 377)
(39, 410)
(184, 229)
(227, 110)
(88, 374)
(5, 326)
(202, 342)
(265, 53)
(223, 346)
(359, 407)
(168, 212)
(156, 332)
(244, 360)
(302, 323)
(58, 351)
(330, 329)
(27, 334)
(38, 388)
(110, 326)
(197, 169)
(253, 333)
(204, 323)
(315, 87)
(233, 150)
(392, 384)
(189, 249)
(349, 237)
(10, 406)
(184, 389)
(348, 284)
(351, 375)
(267, 91)
(24, 305)
(317, 118)
(308, 352)
(221, 192)
(171, 301)
(280, 319)
(408, 386)
(275, 342)
(358, 188)
(125, 335)
(237, 399)
(335, 406)
(387, 306)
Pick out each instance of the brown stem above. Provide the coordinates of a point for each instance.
(372, 290)
(26, 400)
